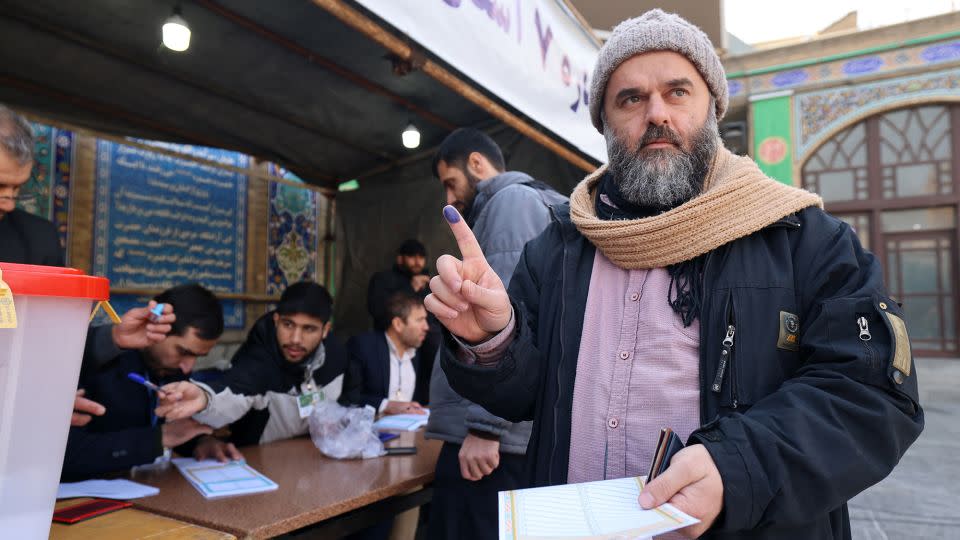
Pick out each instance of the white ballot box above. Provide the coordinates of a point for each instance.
(44, 313)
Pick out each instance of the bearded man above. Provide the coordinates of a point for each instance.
(683, 288)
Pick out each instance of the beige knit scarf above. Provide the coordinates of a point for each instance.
(738, 200)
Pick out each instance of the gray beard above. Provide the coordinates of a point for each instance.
(662, 178)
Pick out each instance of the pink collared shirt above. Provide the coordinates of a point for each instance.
(638, 370)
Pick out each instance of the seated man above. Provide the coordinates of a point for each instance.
(381, 370)
(137, 329)
(128, 433)
(288, 352)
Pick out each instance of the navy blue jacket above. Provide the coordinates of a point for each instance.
(794, 434)
(128, 433)
(367, 380)
(29, 239)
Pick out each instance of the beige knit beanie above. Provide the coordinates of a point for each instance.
(656, 30)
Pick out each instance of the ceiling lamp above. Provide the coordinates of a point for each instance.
(411, 136)
(176, 33)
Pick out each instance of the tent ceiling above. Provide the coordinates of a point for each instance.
(292, 85)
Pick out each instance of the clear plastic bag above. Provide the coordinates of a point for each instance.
(344, 432)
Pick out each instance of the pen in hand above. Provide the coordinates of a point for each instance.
(137, 378)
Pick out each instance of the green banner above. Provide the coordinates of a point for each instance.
(772, 140)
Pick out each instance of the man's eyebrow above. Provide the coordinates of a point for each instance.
(632, 91)
(680, 81)
(188, 352)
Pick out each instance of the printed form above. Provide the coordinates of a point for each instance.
(214, 479)
(593, 510)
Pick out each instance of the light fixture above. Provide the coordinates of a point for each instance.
(411, 136)
(349, 185)
(176, 33)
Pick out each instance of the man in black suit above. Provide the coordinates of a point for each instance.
(24, 237)
(410, 274)
(382, 365)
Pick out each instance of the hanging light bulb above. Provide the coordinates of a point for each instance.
(411, 136)
(176, 33)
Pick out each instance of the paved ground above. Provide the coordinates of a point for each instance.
(921, 498)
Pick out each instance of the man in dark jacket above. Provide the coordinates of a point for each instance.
(408, 275)
(682, 288)
(382, 365)
(289, 350)
(482, 454)
(24, 237)
(129, 433)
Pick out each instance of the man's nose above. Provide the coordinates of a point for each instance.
(657, 112)
(186, 365)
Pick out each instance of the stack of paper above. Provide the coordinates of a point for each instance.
(214, 479)
(595, 510)
(402, 422)
(106, 489)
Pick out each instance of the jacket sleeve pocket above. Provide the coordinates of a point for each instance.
(870, 334)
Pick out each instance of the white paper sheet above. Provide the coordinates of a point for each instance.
(214, 479)
(594, 510)
(107, 489)
(402, 422)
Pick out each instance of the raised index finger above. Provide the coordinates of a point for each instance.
(466, 241)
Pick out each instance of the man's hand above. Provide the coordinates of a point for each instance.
(468, 296)
(180, 400)
(403, 407)
(478, 457)
(83, 408)
(210, 447)
(137, 330)
(692, 483)
(180, 431)
(419, 281)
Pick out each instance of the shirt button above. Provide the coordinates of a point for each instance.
(634, 297)
(613, 423)
(624, 355)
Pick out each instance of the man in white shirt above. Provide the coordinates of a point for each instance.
(382, 366)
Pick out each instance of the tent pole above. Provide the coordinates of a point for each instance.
(317, 59)
(378, 34)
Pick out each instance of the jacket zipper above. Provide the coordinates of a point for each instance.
(703, 331)
(726, 359)
(783, 223)
(865, 337)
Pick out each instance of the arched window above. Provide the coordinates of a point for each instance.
(894, 178)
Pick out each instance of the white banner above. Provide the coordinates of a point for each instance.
(533, 54)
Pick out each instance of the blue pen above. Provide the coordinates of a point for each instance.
(137, 378)
(156, 313)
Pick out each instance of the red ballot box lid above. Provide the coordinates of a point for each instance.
(31, 280)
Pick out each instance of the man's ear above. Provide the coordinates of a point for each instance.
(397, 324)
(477, 164)
(399, 260)
(276, 318)
(326, 330)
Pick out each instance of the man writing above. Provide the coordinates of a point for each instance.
(683, 288)
(128, 433)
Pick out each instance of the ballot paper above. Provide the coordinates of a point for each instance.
(601, 510)
(106, 489)
(214, 479)
(402, 422)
